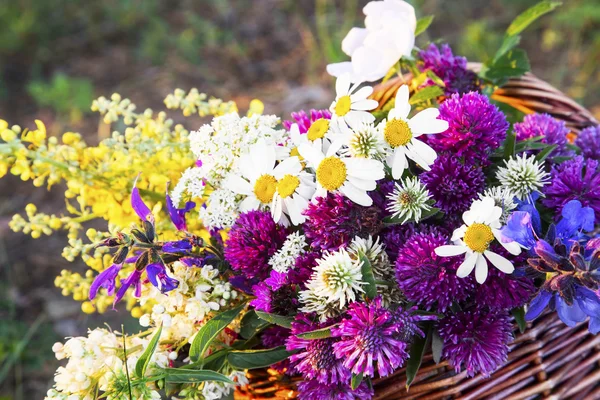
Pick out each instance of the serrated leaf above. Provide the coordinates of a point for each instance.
(542, 155)
(178, 375)
(367, 276)
(210, 330)
(509, 145)
(426, 94)
(510, 65)
(437, 346)
(519, 315)
(417, 351)
(252, 359)
(356, 380)
(142, 363)
(528, 16)
(251, 324)
(322, 333)
(422, 24)
(275, 319)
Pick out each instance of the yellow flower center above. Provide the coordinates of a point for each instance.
(331, 173)
(318, 129)
(478, 237)
(342, 107)
(295, 153)
(397, 133)
(287, 185)
(264, 188)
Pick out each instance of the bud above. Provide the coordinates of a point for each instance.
(139, 235)
(149, 229)
(121, 255)
(142, 261)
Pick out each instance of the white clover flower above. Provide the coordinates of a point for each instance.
(285, 258)
(351, 105)
(523, 175)
(481, 226)
(221, 209)
(388, 35)
(408, 200)
(352, 176)
(336, 278)
(503, 198)
(364, 141)
(400, 134)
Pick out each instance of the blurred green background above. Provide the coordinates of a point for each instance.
(56, 56)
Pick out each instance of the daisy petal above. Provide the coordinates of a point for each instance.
(361, 94)
(500, 262)
(512, 247)
(481, 269)
(250, 203)
(398, 164)
(450, 250)
(238, 185)
(339, 69)
(342, 85)
(423, 150)
(402, 106)
(358, 196)
(366, 104)
(426, 122)
(311, 154)
(467, 266)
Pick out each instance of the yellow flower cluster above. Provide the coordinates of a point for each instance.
(99, 178)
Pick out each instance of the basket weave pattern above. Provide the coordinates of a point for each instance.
(549, 360)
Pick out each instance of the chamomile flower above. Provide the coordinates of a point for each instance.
(351, 106)
(503, 198)
(352, 176)
(408, 200)
(481, 226)
(400, 134)
(315, 136)
(363, 141)
(523, 175)
(293, 191)
(336, 278)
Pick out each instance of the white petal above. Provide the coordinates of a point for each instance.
(312, 155)
(247, 168)
(364, 168)
(365, 104)
(500, 262)
(512, 247)
(354, 39)
(339, 69)
(342, 85)
(294, 211)
(450, 250)
(289, 166)
(356, 195)
(363, 184)
(250, 203)
(493, 215)
(459, 233)
(238, 185)
(481, 269)
(426, 122)
(361, 94)
(402, 106)
(320, 192)
(467, 265)
(355, 118)
(276, 208)
(427, 154)
(399, 163)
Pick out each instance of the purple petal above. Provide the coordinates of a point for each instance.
(178, 214)
(157, 275)
(594, 326)
(138, 205)
(179, 246)
(105, 279)
(570, 315)
(276, 280)
(518, 228)
(588, 301)
(132, 279)
(538, 304)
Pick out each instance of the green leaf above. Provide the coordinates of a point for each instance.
(429, 213)
(437, 345)
(367, 274)
(424, 215)
(436, 79)
(512, 64)
(322, 333)
(509, 145)
(275, 319)
(356, 380)
(528, 16)
(252, 359)
(509, 43)
(178, 375)
(210, 330)
(417, 350)
(519, 315)
(144, 360)
(251, 324)
(426, 94)
(542, 155)
(423, 24)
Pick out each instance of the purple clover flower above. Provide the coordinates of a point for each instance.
(553, 130)
(476, 339)
(310, 389)
(304, 120)
(449, 68)
(588, 141)
(369, 340)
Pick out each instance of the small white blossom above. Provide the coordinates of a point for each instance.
(285, 258)
(523, 175)
(503, 198)
(408, 200)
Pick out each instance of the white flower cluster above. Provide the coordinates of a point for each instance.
(200, 292)
(285, 258)
(96, 362)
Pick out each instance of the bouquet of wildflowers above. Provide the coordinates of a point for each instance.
(338, 246)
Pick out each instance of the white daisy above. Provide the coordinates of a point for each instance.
(285, 187)
(351, 106)
(408, 200)
(353, 177)
(336, 278)
(503, 198)
(400, 134)
(363, 141)
(523, 175)
(481, 226)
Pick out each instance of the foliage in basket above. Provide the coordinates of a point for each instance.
(339, 246)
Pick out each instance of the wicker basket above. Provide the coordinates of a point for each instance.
(549, 360)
